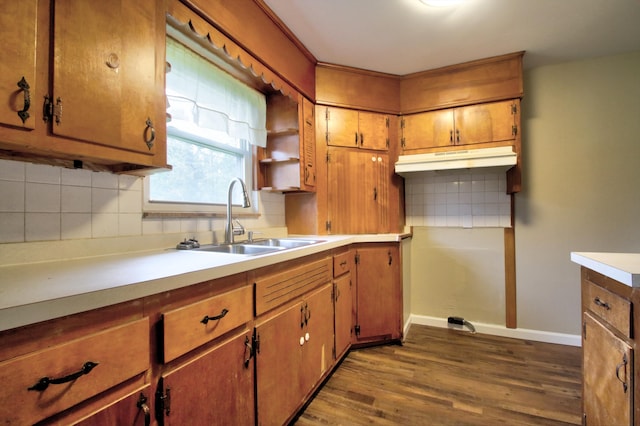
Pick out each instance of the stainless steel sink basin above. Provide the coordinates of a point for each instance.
(286, 243)
(247, 249)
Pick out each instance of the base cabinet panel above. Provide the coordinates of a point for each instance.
(216, 388)
(132, 410)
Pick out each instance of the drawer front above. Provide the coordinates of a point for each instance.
(119, 352)
(277, 289)
(610, 307)
(342, 263)
(188, 327)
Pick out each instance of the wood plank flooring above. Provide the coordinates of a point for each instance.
(451, 377)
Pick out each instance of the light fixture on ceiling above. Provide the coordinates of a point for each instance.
(441, 3)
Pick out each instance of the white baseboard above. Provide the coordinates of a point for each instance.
(498, 330)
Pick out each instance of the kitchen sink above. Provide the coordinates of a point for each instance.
(247, 249)
(285, 243)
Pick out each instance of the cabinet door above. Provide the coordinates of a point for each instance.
(18, 34)
(374, 130)
(343, 313)
(318, 334)
(483, 123)
(308, 155)
(104, 70)
(278, 364)
(342, 127)
(378, 293)
(608, 375)
(216, 388)
(432, 129)
(134, 409)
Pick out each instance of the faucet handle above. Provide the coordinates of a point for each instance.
(237, 227)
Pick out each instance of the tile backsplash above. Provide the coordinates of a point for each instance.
(47, 203)
(460, 198)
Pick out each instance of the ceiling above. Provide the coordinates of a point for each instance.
(405, 36)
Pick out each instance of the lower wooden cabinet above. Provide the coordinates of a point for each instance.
(610, 391)
(215, 388)
(343, 271)
(378, 294)
(132, 410)
(294, 350)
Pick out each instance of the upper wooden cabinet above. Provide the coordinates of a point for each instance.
(288, 161)
(18, 21)
(475, 124)
(356, 129)
(99, 68)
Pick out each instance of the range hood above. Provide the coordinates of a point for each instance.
(501, 157)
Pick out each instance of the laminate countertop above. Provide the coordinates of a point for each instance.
(34, 292)
(622, 267)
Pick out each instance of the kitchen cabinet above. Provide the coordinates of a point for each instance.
(378, 293)
(212, 388)
(288, 162)
(343, 300)
(496, 123)
(294, 351)
(56, 367)
(356, 129)
(18, 23)
(358, 191)
(98, 70)
(608, 344)
(134, 409)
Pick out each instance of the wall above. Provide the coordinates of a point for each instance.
(581, 147)
(41, 203)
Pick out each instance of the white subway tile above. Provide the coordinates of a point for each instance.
(42, 226)
(12, 197)
(151, 226)
(104, 200)
(11, 227)
(104, 225)
(129, 224)
(170, 226)
(76, 177)
(75, 226)
(42, 197)
(131, 183)
(42, 173)
(104, 180)
(12, 170)
(129, 201)
(75, 199)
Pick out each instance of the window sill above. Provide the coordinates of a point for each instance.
(189, 215)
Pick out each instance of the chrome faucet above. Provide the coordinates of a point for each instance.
(228, 230)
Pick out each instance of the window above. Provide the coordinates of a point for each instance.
(215, 120)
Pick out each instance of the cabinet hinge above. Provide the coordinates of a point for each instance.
(387, 122)
(51, 111)
(328, 158)
(357, 330)
(326, 137)
(328, 226)
(357, 259)
(402, 142)
(514, 108)
(256, 344)
(514, 130)
(584, 330)
(402, 123)
(163, 403)
(327, 114)
(387, 143)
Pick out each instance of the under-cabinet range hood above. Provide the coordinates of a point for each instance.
(501, 157)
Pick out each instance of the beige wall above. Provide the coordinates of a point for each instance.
(581, 152)
(581, 143)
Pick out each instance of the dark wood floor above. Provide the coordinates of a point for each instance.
(450, 377)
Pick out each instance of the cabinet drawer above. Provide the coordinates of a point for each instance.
(610, 307)
(119, 353)
(342, 263)
(279, 288)
(190, 326)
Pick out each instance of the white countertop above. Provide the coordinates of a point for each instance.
(623, 267)
(36, 292)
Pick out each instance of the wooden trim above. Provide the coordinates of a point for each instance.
(510, 277)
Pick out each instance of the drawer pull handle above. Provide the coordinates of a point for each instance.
(142, 405)
(207, 318)
(46, 381)
(599, 302)
(24, 112)
(618, 367)
(249, 352)
(343, 263)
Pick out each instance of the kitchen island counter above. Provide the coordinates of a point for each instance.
(622, 267)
